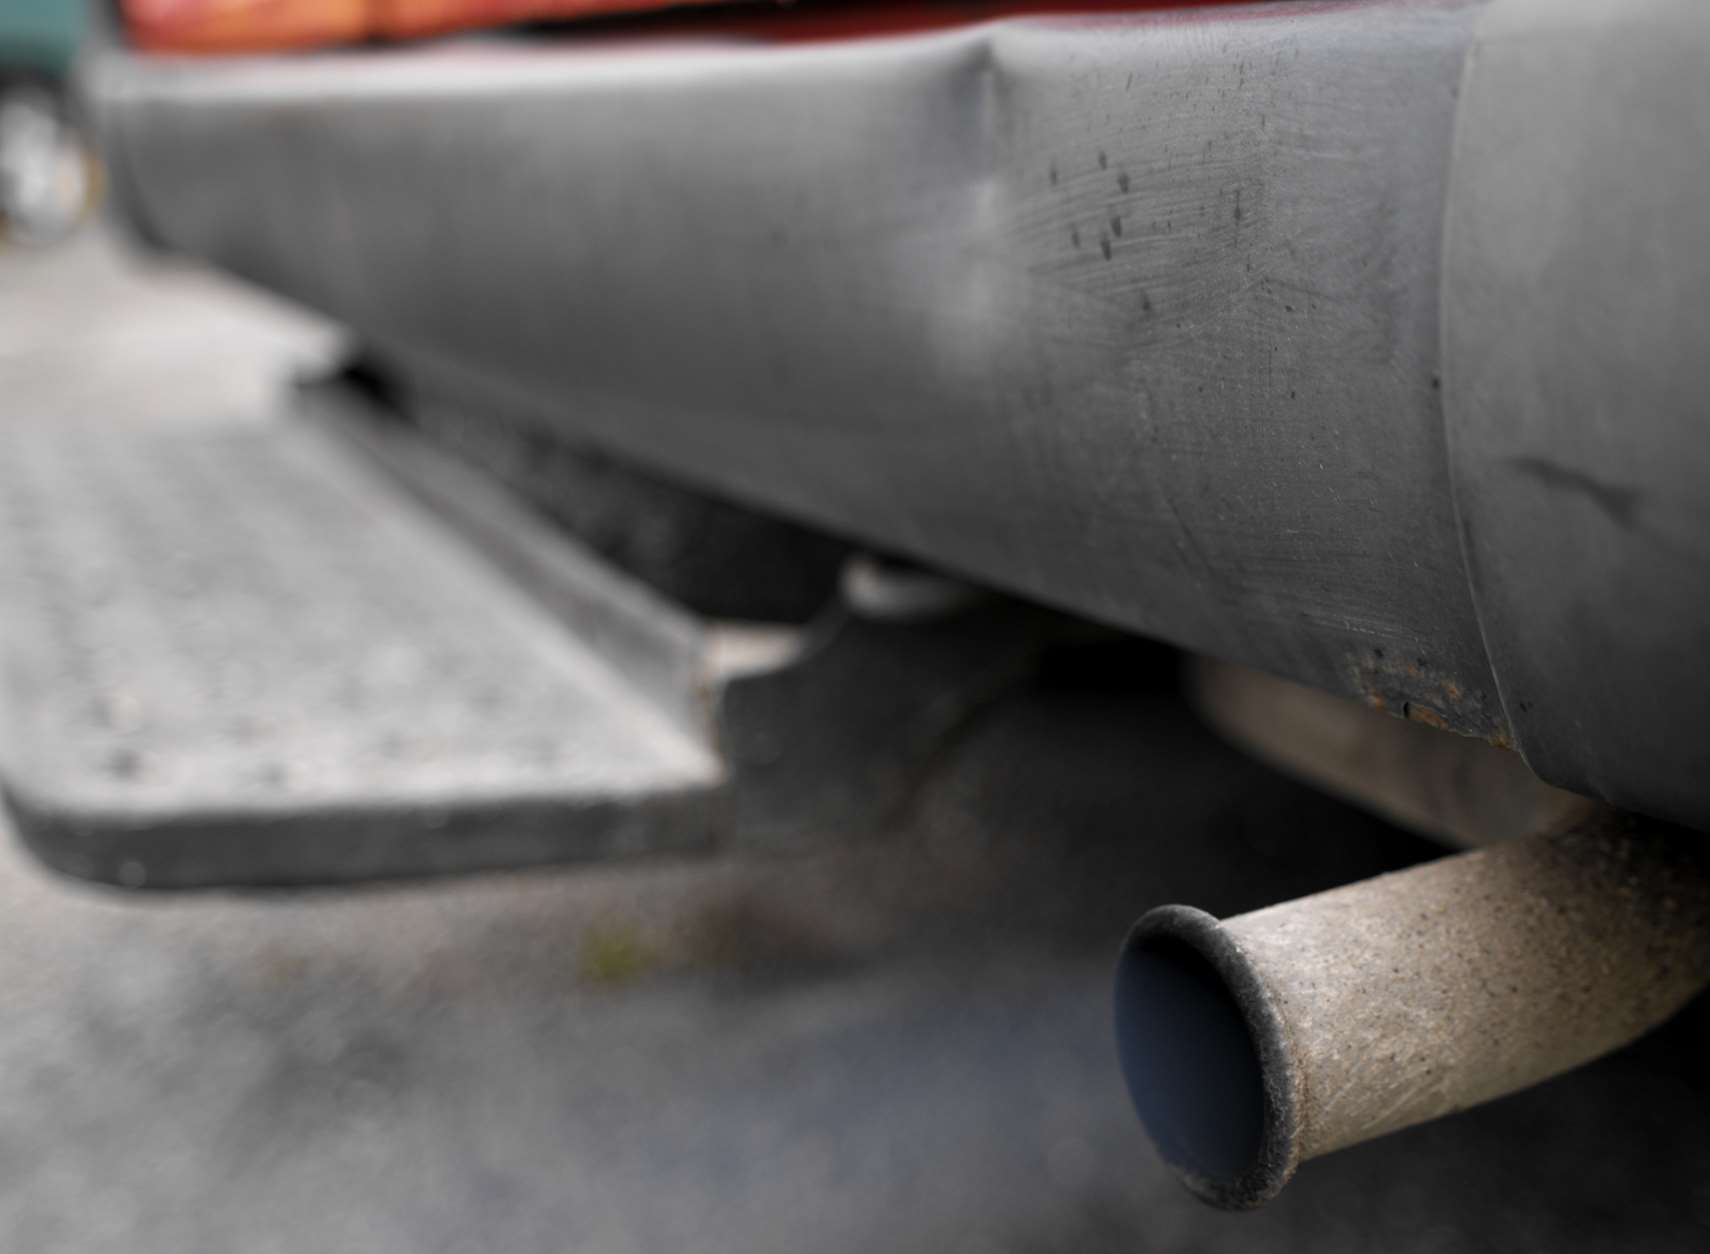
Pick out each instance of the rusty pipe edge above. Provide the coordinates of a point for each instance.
(1451, 788)
(1253, 1044)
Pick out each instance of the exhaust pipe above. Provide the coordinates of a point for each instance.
(1252, 1045)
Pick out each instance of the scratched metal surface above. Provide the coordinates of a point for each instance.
(1137, 315)
(1577, 284)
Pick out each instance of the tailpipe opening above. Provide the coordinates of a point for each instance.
(1205, 1059)
(1254, 1044)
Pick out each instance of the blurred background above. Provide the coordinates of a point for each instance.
(901, 1044)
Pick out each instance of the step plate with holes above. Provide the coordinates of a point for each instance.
(231, 656)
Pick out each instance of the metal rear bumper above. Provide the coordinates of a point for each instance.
(1148, 317)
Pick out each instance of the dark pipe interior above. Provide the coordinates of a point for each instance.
(1189, 1059)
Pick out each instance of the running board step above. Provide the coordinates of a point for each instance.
(233, 655)
(314, 650)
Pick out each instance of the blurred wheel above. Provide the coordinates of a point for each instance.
(47, 181)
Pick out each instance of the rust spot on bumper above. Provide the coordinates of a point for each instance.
(1411, 687)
